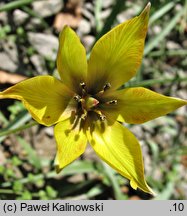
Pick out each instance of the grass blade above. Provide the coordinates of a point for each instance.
(153, 43)
(15, 4)
(158, 14)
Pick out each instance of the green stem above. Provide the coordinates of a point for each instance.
(8, 132)
(15, 4)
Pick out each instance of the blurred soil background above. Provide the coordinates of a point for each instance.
(29, 32)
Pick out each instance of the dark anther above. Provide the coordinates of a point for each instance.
(83, 85)
(102, 117)
(112, 102)
(106, 86)
(77, 98)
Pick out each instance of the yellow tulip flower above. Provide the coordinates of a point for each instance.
(87, 105)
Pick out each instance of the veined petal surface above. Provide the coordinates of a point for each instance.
(46, 98)
(118, 147)
(71, 59)
(139, 105)
(116, 56)
(71, 143)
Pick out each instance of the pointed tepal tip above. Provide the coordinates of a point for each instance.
(145, 12)
(147, 7)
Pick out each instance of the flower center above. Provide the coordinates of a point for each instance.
(91, 103)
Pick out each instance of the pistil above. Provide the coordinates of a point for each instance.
(88, 103)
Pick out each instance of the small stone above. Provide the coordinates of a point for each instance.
(34, 22)
(84, 27)
(45, 44)
(125, 15)
(107, 3)
(7, 64)
(39, 64)
(105, 14)
(137, 130)
(48, 7)
(19, 16)
(88, 41)
(9, 56)
(3, 18)
(172, 45)
(89, 16)
(157, 29)
(49, 131)
(88, 6)
(2, 158)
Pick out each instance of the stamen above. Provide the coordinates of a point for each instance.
(107, 86)
(77, 98)
(84, 115)
(101, 116)
(112, 102)
(83, 85)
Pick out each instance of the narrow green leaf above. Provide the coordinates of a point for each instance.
(34, 14)
(77, 188)
(162, 11)
(166, 30)
(77, 167)
(80, 167)
(167, 192)
(3, 119)
(6, 132)
(97, 10)
(15, 4)
(117, 8)
(96, 190)
(32, 156)
(16, 125)
(152, 82)
(108, 171)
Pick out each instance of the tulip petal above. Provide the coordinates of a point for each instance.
(116, 57)
(71, 143)
(46, 98)
(139, 105)
(118, 147)
(71, 59)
